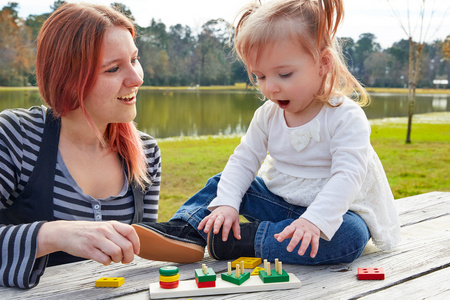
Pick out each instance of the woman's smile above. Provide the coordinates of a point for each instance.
(128, 99)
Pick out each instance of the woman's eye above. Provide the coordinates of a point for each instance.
(285, 75)
(136, 59)
(112, 70)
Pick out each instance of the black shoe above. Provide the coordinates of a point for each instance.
(233, 248)
(174, 241)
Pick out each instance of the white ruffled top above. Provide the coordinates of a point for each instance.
(327, 165)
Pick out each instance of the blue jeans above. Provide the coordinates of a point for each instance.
(274, 213)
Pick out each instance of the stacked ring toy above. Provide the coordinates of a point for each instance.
(169, 277)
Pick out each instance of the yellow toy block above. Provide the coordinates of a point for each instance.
(110, 282)
(249, 262)
(169, 278)
(255, 271)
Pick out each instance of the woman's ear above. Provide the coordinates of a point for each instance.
(326, 62)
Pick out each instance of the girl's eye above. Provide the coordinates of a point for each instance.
(259, 77)
(286, 75)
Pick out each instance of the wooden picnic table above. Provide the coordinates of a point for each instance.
(417, 269)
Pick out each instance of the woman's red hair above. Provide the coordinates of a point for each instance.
(69, 57)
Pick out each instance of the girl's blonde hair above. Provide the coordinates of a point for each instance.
(313, 24)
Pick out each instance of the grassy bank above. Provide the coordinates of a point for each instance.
(420, 167)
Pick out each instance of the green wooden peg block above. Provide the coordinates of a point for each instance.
(233, 279)
(202, 277)
(274, 276)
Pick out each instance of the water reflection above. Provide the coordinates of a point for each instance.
(395, 105)
(166, 114)
(194, 113)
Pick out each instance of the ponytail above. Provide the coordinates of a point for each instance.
(331, 14)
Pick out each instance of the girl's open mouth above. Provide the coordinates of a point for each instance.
(283, 103)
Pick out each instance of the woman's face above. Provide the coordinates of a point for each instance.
(113, 97)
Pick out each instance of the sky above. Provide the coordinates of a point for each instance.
(383, 18)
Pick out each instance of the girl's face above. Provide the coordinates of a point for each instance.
(113, 97)
(289, 77)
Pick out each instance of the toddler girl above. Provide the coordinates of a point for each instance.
(321, 191)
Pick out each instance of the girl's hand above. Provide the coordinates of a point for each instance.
(222, 215)
(301, 230)
(103, 242)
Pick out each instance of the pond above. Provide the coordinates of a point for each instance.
(164, 113)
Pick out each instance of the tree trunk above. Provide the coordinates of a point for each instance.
(414, 67)
(410, 89)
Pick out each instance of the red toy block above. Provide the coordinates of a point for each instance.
(205, 284)
(370, 273)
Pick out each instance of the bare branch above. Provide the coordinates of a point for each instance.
(397, 16)
(440, 24)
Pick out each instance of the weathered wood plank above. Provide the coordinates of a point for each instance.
(416, 209)
(424, 249)
(436, 285)
(422, 258)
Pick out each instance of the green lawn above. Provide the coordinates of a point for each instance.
(416, 168)
(420, 167)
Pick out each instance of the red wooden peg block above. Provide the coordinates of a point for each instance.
(205, 284)
(370, 273)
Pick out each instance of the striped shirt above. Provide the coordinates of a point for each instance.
(21, 132)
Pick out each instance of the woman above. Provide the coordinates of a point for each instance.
(70, 170)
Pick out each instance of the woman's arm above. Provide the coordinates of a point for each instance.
(104, 242)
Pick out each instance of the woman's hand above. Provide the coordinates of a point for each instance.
(301, 230)
(225, 216)
(103, 242)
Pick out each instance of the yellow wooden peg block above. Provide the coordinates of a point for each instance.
(249, 262)
(255, 271)
(110, 282)
(169, 278)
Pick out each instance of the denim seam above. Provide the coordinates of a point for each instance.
(192, 213)
(261, 232)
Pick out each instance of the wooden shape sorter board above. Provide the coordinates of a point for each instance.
(188, 288)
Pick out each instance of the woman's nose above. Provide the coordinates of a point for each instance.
(135, 76)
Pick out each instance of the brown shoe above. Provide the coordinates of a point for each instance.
(173, 241)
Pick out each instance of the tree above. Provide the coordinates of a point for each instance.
(416, 45)
(398, 63)
(16, 51)
(347, 44)
(180, 50)
(446, 47)
(376, 66)
(152, 42)
(123, 9)
(364, 47)
(213, 53)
